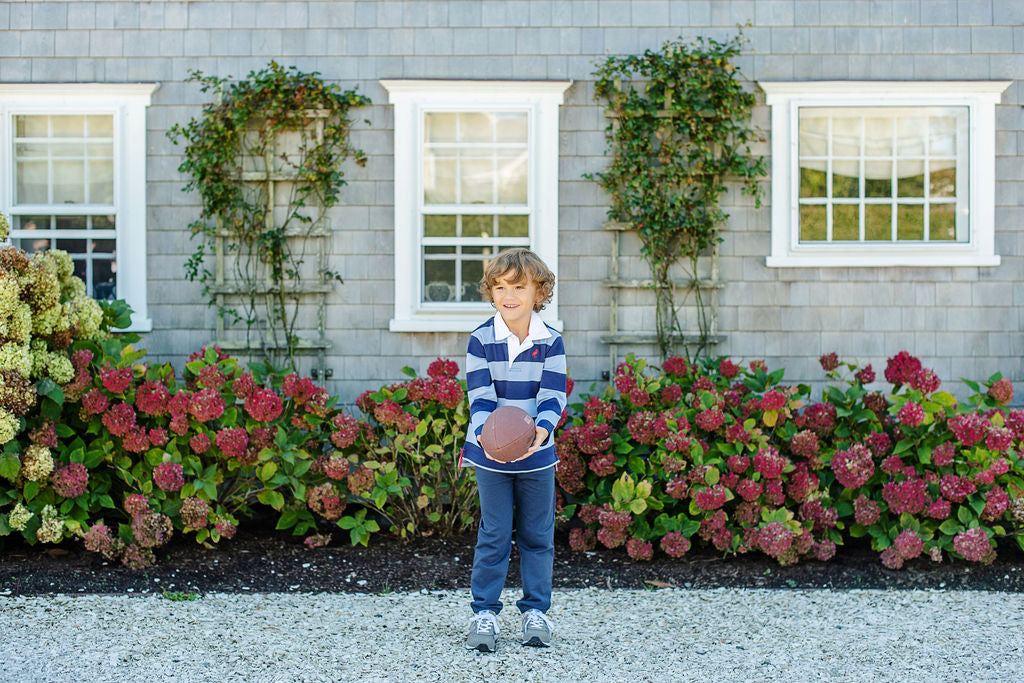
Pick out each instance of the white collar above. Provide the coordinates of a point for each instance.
(538, 330)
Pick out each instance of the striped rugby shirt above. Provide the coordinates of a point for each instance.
(534, 380)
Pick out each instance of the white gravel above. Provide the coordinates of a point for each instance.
(663, 635)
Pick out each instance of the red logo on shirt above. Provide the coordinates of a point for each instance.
(534, 354)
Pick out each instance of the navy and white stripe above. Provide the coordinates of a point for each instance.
(534, 381)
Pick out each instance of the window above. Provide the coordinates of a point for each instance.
(74, 159)
(476, 171)
(883, 174)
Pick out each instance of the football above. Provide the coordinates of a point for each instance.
(508, 433)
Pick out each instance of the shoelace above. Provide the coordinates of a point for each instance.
(536, 620)
(485, 624)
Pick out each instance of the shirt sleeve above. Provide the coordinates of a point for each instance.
(551, 397)
(479, 386)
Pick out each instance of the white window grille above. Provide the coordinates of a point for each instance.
(75, 163)
(883, 174)
(476, 171)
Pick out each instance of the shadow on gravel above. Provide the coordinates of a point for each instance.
(260, 559)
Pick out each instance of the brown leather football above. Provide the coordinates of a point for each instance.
(508, 433)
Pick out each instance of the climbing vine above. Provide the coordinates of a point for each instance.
(265, 157)
(680, 133)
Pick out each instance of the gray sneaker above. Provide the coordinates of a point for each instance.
(483, 627)
(536, 628)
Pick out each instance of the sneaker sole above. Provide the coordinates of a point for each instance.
(482, 647)
(536, 642)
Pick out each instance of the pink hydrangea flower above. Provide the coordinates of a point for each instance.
(1001, 391)
(151, 398)
(70, 481)
(200, 443)
(854, 466)
(675, 544)
(829, 362)
(911, 414)
(770, 463)
(711, 419)
(728, 369)
(582, 539)
(119, 419)
(908, 544)
(603, 465)
(639, 549)
(910, 496)
(95, 402)
(443, 368)
(115, 380)
(956, 489)
(168, 476)
(999, 439)
(970, 428)
(891, 558)
(865, 375)
(206, 405)
(194, 512)
(711, 498)
(925, 380)
(675, 366)
(866, 511)
(264, 405)
(974, 546)
(775, 539)
(943, 454)
(136, 504)
(773, 400)
(900, 368)
(232, 441)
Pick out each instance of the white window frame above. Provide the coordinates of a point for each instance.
(411, 98)
(785, 100)
(127, 103)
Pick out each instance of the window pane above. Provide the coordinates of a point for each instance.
(941, 180)
(68, 126)
(942, 222)
(845, 181)
(81, 270)
(438, 180)
(31, 126)
(31, 222)
(878, 222)
(512, 179)
(71, 246)
(32, 244)
(477, 181)
(512, 127)
(476, 127)
(477, 226)
(942, 136)
(439, 281)
(104, 246)
(104, 278)
(878, 179)
(439, 250)
(513, 226)
(846, 136)
(103, 222)
(911, 131)
(813, 136)
(813, 226)
(439, 226)
(68, 182)
(878, 137)
(101, 182)
(911, 179)
(32, 183)
(910, 222)
(100, 126)
(846, 222)
(71, 222)
(472, 273)
(813, 183)
(30, 149)
(439, 127)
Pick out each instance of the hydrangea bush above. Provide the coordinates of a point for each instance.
(744, 463)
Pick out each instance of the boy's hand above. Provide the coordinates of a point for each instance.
(542, 436)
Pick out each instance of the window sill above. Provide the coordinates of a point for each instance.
(449, 323)
(885, 260)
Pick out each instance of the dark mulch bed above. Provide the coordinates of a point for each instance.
(260, 559)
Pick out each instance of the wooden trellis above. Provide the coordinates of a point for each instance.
(265, 341)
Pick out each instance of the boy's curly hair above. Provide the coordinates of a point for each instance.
(518, 264)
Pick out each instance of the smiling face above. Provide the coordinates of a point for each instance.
(515, 300)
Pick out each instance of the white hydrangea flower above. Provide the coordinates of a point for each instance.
(37, 463)
(8, 426)
(19, 517)
(16, 357)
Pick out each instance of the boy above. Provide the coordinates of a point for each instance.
(514, 358)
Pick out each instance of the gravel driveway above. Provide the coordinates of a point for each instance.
(601, 635)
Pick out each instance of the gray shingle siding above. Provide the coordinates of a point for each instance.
(963, 321)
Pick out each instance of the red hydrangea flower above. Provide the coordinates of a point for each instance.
(805, 444)
(824, 550)
(232, 441)
(1001, 391)
(893, 465)
(151, 398)
(206, 405)
(823, 518)
(911, 414)
(445, 390)
(194, 512)
(820, 417)
(775, 539)
(678, 443)
(639, 397)
(711, 419)
(854, 466)
(617, 520)
(865, 375)
(178, 405)
(879, 443)
(974, 546)
(299, 389)
(908, 544)
(645, 427)
(925, 380)
(325, 501)
(210, 377)
(748, 489)
(114, 380)
(672, 394)
(711, 498)
(119, 419)
(901, 367)
(866, 511)
(996, 503)
(639, 549)
(81, 359)
(999, 439)
(361, 480)
(770, 463)
(675, 366)
(443, 368)
(603, 465)
(168, 476)
(264, 405)
(728, 369)
(956, 489)
(738, 463)
(1000, 467)
(582, 539)
(244, 385)
(773, 492)
(985, 477)
(758, 365)
(596, 409)
(773, 400)
(703, 383)
(200, 443)
(891, 558)
(71, 480)
(943, 454)
(940, 509)
(910, 496)
(970, 428)
(802, 483)
(347, 428)
(95, 402)
(595, 437)
(677, 487)
(829, 362)
(158, 436)
(136, 440)
(675, 544)
(136, 504)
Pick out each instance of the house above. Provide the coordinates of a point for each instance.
(893, 214)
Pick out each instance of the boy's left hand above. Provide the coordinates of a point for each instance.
(542, 436)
